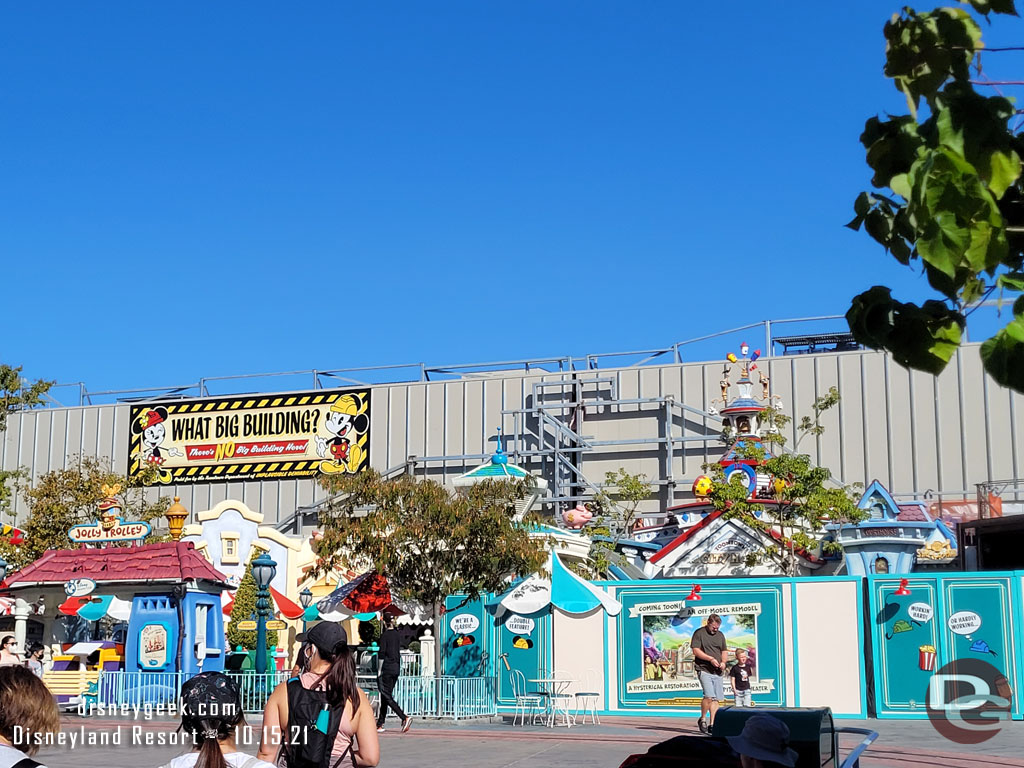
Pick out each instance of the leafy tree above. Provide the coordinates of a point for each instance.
(244, 609)
(428, 540)
(745, 620)
(63, 498)
(369, 631)
(17, 394)
(804, 498)
(617, 513)
(948, 198)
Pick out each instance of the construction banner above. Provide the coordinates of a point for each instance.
(251, 437)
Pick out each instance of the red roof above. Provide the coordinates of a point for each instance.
(704, 523)
(912, 513)
(170, 561)
(682, 537)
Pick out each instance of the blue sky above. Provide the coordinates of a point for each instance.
(194, 190)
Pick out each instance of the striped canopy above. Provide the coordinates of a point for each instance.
(564, 590)
(96, 607)
(282, 604)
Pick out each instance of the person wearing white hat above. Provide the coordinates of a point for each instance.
(764, 743)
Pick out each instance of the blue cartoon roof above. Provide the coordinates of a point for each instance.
(495, 468)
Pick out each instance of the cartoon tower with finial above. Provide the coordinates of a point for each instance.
(742, 414)
(743, 419)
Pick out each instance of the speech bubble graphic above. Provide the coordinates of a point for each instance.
(964, 623)
(921, 612)
(464, 623)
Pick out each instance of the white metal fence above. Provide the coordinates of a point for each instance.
(449, 698)
(453, 698)
(149, 690)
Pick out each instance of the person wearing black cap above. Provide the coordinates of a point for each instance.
(211, 712)
(321, 719)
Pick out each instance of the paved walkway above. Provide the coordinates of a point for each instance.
(901, 744)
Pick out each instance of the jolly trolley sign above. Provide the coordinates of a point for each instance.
(263, 437)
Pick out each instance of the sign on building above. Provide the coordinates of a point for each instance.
(252, 437)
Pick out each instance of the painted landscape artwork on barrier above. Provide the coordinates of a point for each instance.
(668, 663)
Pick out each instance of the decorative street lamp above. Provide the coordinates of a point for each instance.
(263, 571)
(305, 599)
(176, 514)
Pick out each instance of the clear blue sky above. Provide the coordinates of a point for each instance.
(218, 188)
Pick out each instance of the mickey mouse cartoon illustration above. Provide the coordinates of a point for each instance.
(345, 421)
(151, 425)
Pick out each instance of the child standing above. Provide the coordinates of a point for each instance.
(741, 672)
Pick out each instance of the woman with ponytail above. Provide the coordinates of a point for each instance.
(211, 713)
(320, 718)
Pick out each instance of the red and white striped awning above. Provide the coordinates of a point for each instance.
(282, 604)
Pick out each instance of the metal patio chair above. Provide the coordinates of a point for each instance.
(586, 699)
(524, 700)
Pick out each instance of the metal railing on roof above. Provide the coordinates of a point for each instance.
(213, 386)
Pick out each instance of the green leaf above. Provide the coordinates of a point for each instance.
(1004, 169)
(1013, 281)
(925, 50)
(922, 337)
(973, 289)
(900, 184)
(975, 127)
(992, 6)
(958, 221)
(1003, 355)
(892, 147)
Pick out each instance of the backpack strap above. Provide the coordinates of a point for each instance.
(332, 733)
(348, 750)
(294, 689)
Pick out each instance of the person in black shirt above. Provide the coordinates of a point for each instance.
(390, 668)
(741, 672)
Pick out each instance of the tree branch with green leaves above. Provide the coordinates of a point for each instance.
(617, 505)
(948, 196)
(62, 498)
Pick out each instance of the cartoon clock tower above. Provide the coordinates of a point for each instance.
(742, 417)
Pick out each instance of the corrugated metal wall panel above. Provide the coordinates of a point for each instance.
(899, 424)
(876, 410)
(974, 419)
(949, 429)
(829, 446)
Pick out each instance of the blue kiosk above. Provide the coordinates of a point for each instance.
(894, 537)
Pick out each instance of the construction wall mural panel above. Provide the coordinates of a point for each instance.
(925, 628)
(656, 663)
(256, 437)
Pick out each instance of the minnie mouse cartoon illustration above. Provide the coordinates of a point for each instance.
(345, 421)
(151, 425)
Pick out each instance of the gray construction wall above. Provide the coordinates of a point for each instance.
(914, 432)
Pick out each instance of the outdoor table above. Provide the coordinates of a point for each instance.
(554, 686)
